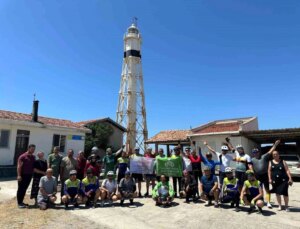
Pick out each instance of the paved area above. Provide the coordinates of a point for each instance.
(145, 215)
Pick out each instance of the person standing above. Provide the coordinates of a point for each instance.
(25, 172)
(81, 162)
(149, 177)
(260, 168)
(177, 154)
(137, 176)
(110, 159)
(224, 158)
(54, 161)
(280, 178)
(47, 190)
(68, 164)
(39, 170)
(122, 165)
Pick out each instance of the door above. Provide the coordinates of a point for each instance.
(22, 142)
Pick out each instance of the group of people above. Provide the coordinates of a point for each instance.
(80, 178)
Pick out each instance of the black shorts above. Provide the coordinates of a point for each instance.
(241, 176)
(250, 198)
(138, 177)
(264, 179)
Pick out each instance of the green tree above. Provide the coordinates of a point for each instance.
(99, 136)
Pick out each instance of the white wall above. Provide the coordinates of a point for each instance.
(41, 137)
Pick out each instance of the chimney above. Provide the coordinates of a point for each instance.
(35, 110)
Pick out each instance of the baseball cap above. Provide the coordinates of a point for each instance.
(73, 172)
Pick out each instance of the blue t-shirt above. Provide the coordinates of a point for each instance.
(208, 183)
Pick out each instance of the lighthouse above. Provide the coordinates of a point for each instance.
(131, 111)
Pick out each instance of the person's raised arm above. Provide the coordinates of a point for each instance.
(288, 172)
(209, 147)
(274, 147)
(230, 146)
(120, 151)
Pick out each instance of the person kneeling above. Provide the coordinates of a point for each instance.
(47, 192)
(230, 189)
(108, 189)
(163, 193)
(209, 187)
(188, 186)
(252, 193)
(72, 191)
(127, 188)
(90, 188)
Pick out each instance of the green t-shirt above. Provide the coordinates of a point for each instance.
(109, 162)
(54, 162)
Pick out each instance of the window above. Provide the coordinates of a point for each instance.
(59, 140)
(4, 138)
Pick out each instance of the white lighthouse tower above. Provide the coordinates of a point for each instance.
(131, 111)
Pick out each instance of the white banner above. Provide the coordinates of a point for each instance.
(142, 165)
(187, 164)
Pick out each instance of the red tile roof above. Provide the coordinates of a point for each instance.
(219, 127)
(9, 115)
(169, 136)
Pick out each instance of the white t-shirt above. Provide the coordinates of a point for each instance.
(242, 162)
(109, 185)
(225, 159)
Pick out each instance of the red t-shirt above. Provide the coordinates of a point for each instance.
(95, 168)
(81, 163)
(196, 162)
(28, 163)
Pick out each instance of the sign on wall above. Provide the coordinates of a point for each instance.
(75, 137)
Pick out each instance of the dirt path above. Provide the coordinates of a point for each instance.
(13, 217)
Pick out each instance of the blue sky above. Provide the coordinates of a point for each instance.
(202, 60)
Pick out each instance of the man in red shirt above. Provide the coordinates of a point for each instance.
(25, 172)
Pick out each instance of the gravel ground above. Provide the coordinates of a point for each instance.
(143, 215)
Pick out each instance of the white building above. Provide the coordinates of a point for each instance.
(18, 130)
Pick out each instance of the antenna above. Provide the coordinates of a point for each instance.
(134, 21)
(34, 96)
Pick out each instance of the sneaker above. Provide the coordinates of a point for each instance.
(131, 201)
(122, 202)
(279, 208)
(287, 209)
(237, 209)
(21, 205)
(146, 194)
(140, 195)
(269, 205)
(208, 203)
(216, 205)
(232, 205)
(251, 209)
(259, 211)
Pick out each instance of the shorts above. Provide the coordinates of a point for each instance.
(138, 177)
(264, 179)
(250, 198)
(120, 176)
(241, 176)
(150, 176)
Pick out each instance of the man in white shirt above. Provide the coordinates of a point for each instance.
(225, 157)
